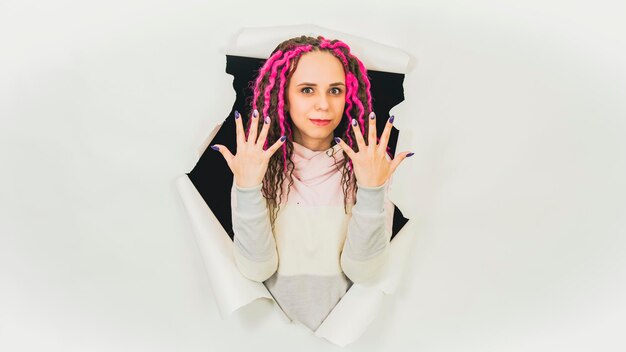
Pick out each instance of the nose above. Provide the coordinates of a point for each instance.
(322, 102)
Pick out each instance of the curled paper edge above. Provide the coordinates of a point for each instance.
(231, 289)
(361, 304)
(260, 41)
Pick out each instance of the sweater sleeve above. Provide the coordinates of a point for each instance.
(254, 246)
(366, 247)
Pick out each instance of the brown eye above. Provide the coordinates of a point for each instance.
(307, 90)
(335, 91)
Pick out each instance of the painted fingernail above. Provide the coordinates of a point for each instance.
(391, 119)
(410, 154)
(236, 114)
(372, 115)
(338, 140)
(353, 122)
(214, 147)
(282, 139)
(267, 119)
(255, 113)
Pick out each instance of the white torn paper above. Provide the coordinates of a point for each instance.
(259, 43)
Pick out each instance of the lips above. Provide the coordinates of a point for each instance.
(320, 122)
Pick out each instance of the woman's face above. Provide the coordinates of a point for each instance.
(316, 96)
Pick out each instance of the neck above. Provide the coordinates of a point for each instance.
(314, 144)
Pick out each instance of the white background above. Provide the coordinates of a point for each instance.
(515, 112)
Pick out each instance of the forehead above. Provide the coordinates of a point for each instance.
(319, 67)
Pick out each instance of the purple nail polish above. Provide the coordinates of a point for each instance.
(372, 115)
(236, 114)
(337, 140)
(410, 154)
(353, 122)
(391, 119)
(267, 119)
(282, 139)
(214, 147)
(255, 113)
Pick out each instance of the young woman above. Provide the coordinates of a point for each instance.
(311, 213)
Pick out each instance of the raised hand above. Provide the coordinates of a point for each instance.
(250, 162)
(371, 167)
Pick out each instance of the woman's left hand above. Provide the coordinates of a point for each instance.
(371, 167)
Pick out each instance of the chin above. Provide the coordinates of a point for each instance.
(320, 135)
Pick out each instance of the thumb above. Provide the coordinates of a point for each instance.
(224, 151)
(279, 143)
(398, 159)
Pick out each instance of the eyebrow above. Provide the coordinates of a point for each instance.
(315, 85)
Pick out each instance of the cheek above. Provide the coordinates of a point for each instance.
(290, 99)
(299, 105)
(340, 103)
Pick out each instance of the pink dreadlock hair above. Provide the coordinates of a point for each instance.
(269, 89)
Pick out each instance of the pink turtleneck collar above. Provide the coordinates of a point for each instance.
(314, 167)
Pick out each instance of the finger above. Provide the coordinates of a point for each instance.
(228, 156)
(384, 137)
(398, 159)
(279, 143)
(254, 126)
(359, 137)
(264, 130)
(371, 138)
(346, 148)
(241, 138)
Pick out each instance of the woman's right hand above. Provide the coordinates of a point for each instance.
(250, 163)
